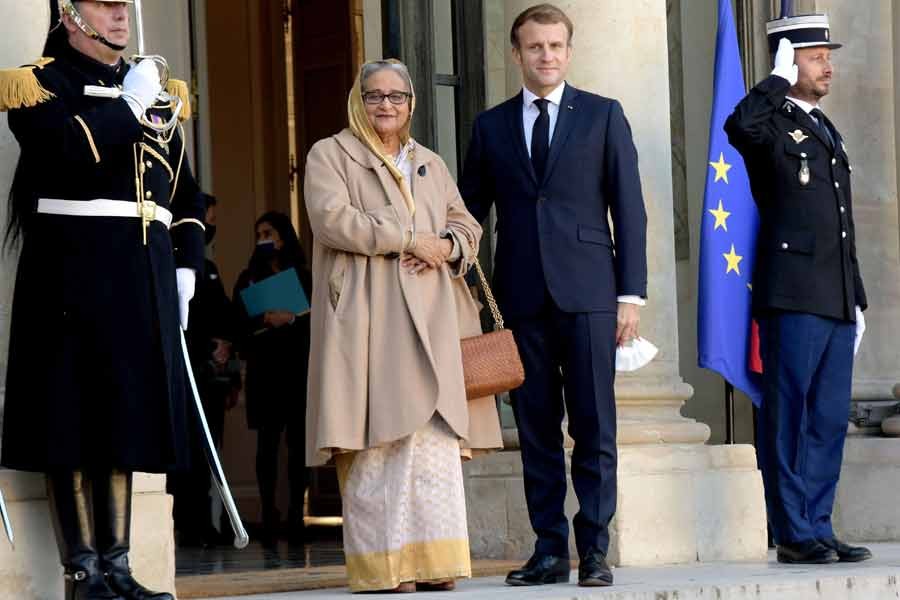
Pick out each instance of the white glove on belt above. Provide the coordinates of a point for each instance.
(784, 61)
(186, 280)
(142, 86)
(860, 328)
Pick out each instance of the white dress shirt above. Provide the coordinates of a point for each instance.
(530, 113)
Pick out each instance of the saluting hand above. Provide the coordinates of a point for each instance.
(784, 61)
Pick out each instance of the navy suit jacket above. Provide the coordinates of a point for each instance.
(554, 235)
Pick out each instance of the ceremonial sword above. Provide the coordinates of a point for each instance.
(212, 457)
(4, 516)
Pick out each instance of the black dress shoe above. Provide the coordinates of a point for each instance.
(593, 570)
(809, 552)
(541, 569)
(846, 552)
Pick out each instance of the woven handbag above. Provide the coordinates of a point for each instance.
(491, 362)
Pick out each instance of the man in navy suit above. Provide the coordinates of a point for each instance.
(557, 162)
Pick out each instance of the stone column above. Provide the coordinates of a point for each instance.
(31, 571)
(678, 499)
(862, 104)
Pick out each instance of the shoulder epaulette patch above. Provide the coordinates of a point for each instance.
(179, 89)
(20, 88)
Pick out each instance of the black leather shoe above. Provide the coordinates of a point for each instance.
(846, 552)
(809, 552)
(593, 570)
(539, 570)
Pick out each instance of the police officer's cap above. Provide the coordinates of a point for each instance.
(803, 31)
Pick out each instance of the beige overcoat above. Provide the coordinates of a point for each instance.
(385, 353)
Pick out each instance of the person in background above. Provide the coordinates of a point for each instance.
(209, 337)
(276, 348)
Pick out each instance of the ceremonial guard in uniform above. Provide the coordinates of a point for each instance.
(808, 295)
(110, 224)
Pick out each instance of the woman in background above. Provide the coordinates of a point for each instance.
(276, 348)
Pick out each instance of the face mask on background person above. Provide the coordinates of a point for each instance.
(265, 250)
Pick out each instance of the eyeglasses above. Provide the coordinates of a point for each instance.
(375, 98)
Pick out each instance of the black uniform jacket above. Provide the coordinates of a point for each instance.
(806, 249)
(96, 377)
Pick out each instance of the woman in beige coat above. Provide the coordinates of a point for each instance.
(392, 241)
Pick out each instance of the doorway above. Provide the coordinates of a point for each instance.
(272, 78)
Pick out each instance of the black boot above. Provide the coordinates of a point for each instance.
(71, 511)
(112, 507)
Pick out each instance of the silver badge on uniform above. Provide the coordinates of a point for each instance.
(798, 136)
(803, 175)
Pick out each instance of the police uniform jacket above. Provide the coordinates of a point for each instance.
(95, 376)
(806, 247)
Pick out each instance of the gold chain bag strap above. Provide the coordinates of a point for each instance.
(491, 362)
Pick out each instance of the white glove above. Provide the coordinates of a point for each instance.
(186, 280)
(784, 61)
(860, 329)
(143, 86)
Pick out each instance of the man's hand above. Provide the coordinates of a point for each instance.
(627, 322)
(186, 282)
(430, 251)
(784, 62)
(278, 318)
(142, 82)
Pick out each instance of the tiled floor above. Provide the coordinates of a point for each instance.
(323, 549)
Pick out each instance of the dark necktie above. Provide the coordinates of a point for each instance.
(823, 125)
(540, 139)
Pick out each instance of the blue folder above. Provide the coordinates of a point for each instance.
(281, 291)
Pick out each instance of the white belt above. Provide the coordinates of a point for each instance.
(105, 208)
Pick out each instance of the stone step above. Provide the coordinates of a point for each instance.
(876, 579)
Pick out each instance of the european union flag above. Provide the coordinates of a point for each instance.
(728, 232)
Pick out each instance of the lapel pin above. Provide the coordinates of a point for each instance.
(797, 135)
(788, 106)
(570, 107)
(422, 171)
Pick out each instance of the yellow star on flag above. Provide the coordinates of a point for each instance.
(721, 168)
(721, 215)
(733, 261)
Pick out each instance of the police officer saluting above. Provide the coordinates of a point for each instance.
(110, 224)
(808, 295)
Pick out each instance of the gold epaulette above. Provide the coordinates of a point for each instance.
(20, 88)
(180, 89)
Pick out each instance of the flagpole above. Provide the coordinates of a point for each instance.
(786, 8)
(729, 413)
